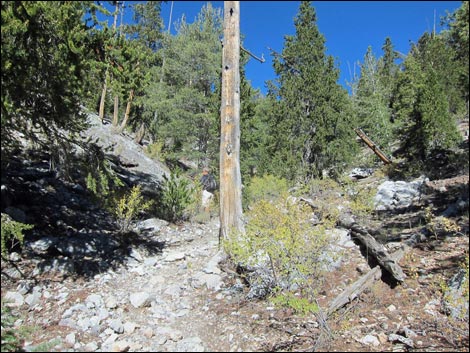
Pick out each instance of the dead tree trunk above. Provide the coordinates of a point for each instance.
(230, 176)
(372, 146)
(103, 96)
(374, 248)
(355, 289)
(116, 111)
(128, 111)
(140, 134)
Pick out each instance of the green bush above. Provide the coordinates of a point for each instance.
(327, 194)
(280, 235)
(267, 187)
(361, 198)
(177, 196)
(10, 340)
(129, 206)
(155, 151)
(103, 182)
(300, 305)
(12, 233)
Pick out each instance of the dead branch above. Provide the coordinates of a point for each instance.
(261, 60)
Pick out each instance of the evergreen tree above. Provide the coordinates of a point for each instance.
(372, 94)
(313, 128)
(186, 105)
(387, 67)
(422, 110)
(44, 45)
(458, 39)
(147, 31)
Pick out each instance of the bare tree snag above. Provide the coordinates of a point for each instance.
(103, 96)
(372, 146)
(128, 111)
(230, 176)
(116, 111)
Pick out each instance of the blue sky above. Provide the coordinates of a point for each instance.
(349, 27)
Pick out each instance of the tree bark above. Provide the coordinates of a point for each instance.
(374, 248)
(230, 176)
(128, 111)
(116, 111)
(103, 96)
(140, 134)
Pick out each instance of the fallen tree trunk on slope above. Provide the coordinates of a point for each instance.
(355, 289)
(374, 248)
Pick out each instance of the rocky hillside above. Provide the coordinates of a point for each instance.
(78, 285)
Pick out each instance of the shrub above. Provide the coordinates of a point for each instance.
(177, 196)
(300, 305)
(12, 233)
(129, 206)
(10, 340)
(155, 151)
(361, 198)
(102, 182)
(327, 193)
(439, 226)
(280, 236)
(267, 187)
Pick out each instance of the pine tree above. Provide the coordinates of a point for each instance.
(186, 102)
(44, 45)
(422, 109)
(313, 127)
(458, 38)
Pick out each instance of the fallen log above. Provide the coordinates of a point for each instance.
(374, 248)
(355, 289)
(380, 253)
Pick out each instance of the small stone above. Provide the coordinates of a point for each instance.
(370, 340)
(148, 332)
(70, 339)
(129, 327)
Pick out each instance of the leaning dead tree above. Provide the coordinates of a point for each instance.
(230, 176)
(372, 146)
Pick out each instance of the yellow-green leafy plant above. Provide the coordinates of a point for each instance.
(280, 236)
(327, 193)
(129, 206)
(439, 225)
(360, 197)
(300, 305)
(155, 151)
(267, 187)
(12, 233)
(458, 301)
